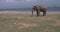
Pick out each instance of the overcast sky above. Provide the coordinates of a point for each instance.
(27, 3)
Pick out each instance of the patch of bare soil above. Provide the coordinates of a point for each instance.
(3, 18)
(19, 17)
(47, 30)
(46, 18)
(26, 25)
(2, 31)
(57, 23)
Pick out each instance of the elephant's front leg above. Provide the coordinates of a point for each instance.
(38, 13)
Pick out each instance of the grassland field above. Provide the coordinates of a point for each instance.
(23, 22)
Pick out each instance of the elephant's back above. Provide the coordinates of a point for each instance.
(41, 6)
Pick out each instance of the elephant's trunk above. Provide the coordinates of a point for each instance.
(32, 12)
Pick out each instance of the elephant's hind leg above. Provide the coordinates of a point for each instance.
(44, 13)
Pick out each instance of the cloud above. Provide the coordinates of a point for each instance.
(29, 0)
(17, 1)
(10, 0)
(7, 1)
(25, 1)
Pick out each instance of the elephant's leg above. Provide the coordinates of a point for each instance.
(38, 12)
(44, 13)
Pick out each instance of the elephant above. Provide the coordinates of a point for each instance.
(38, 9)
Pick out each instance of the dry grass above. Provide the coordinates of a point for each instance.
(23, 22)
(26, 25)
